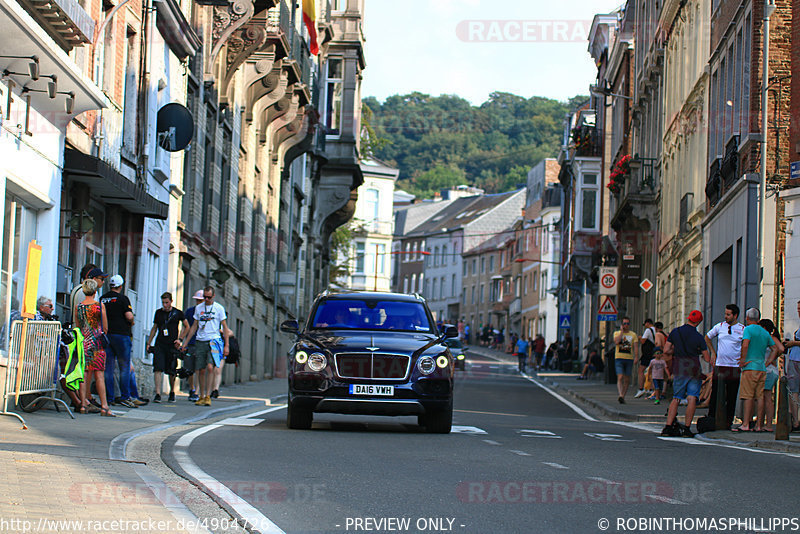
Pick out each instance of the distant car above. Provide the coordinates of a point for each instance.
(458, 351)
(371, 354)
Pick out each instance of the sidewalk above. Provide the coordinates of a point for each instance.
(61, 469)
(601, 400)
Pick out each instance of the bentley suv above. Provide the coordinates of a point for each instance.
(370, 354)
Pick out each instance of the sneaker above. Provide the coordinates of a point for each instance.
(193, 396)
(200, 402)
(684, 402)
(672, 431)
(657, 401)
(127, 403)
(215, 393)
(157, 398)
(621, 400)
(686, 432)
(139, 402)
(639, 394)
(171, 397)
(207, 401)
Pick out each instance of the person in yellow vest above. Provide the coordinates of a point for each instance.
(625, 354)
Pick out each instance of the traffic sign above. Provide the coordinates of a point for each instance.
(564, 321)
(608, 280)
(646, 285)
(607, 311)
(794, 170)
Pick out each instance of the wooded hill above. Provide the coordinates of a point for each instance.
(440, 141)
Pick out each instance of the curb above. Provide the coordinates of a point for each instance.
(778, 446)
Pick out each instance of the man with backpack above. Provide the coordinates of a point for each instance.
(685, 345)
(648, 346)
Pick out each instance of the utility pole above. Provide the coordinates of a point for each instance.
(769, 8)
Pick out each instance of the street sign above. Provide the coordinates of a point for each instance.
(646, 285)
(607, 311)
(794, 170)
(564, 321)
(608, 280)
(630, 275)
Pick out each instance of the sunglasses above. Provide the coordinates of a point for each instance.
(208, 296)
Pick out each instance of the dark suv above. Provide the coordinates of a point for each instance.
(372, 354)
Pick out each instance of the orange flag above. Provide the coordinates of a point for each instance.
(310, 20)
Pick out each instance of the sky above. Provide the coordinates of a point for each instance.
(474, 47)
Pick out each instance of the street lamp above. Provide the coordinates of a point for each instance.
(423, 252)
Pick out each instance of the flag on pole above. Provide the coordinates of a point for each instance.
(310, 20)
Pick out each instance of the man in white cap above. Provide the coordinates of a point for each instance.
(120, 320)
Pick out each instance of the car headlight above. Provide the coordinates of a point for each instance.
(426, 365)
(442, 361)
(301, 357)
(461, 356)
(317, 362)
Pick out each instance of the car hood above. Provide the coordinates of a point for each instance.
(358, 341)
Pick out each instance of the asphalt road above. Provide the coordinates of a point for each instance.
(521, 461)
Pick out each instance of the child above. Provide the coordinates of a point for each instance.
(658, 370)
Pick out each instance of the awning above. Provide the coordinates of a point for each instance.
(110, 186)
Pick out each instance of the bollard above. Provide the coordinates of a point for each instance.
(784, 424)
(720, 408)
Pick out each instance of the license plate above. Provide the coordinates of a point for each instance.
(370, 389)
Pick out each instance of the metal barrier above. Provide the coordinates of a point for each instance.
(39, 372)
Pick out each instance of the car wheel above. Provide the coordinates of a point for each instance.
(439, 421)
(298, 418)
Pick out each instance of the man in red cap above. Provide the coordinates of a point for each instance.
(685, 345)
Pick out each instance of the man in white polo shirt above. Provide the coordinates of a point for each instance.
(725, 360)
(793, 373)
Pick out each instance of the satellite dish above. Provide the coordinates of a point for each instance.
(174, 127)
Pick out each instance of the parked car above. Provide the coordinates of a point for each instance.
(371, 354)
(458, 351)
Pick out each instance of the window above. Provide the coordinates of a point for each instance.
(380, 257)
(405, 284)
(413, 283)
(360, 258)
(435, 256)
(474, 267)
(407, 255)
(483, 265)
(589, 194)
(453, 286)
(333, 111)
(491, 263)
(482, 287)
(525, 284)
(444, 255)
(464, 272)
(433, 288)
(372, 215)
(441, 288)
(472, 300)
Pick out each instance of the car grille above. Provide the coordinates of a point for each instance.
(375, 366)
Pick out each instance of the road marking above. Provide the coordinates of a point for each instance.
(240, 421)
(538, 434)
(664, 499)
(605, 481)
(250, 515)
(467, 430)
(557, 466)
(491, 442)
(606, 437)
(647, 427)
(491, 413)
(520, 453)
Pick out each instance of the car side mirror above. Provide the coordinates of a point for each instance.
(290, 327)
(450, 331)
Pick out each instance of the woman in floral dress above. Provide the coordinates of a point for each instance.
(90, 317)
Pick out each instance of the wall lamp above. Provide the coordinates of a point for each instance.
(33, 66)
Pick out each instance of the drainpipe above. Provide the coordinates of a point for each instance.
(769, 9)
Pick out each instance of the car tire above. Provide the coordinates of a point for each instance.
(298, 418)
(439, 421)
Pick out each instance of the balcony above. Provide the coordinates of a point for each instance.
(587, 141)
(64, 20)
(636, 195)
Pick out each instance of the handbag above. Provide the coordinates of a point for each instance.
(104, 342)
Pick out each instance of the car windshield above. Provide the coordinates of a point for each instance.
(371, 315)
(453, 343)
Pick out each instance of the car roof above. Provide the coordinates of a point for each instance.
(369, 295)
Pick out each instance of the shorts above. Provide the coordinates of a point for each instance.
(164, 359)
(658, 384)
(623, 367)
(644, 361)
(686, 386)
(770, 381)
(793, 376)
(751, 385)
(202, 355)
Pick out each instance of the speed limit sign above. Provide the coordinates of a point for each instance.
(608, 280)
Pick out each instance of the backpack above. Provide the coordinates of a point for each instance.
(234, 353)
(706, 424)
(648, 347)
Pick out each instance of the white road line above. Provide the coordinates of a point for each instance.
(538, 434)
(491, 442)
(647, 427)
(557, 466)
(240, 421)
(458, 429)
(664, 499)
(605, 481)
(569, 404)
(251, 516)
(695, 441)
(520, 453)
(606, 437)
